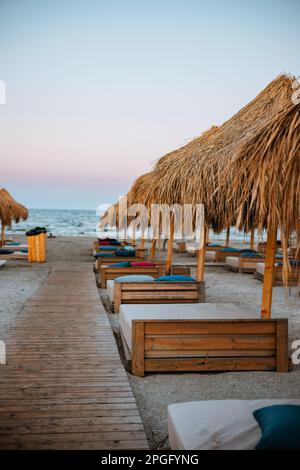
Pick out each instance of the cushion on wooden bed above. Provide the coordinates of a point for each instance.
(217, 424)
(232, 261)
(194, 311)
(134, 278)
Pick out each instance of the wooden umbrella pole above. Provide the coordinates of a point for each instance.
(201, 257)
(252, 239)
(153, 250)
(269, 274)
(170, 248)
(228, 236)
(2, 234)
(142, 245)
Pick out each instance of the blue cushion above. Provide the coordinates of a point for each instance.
(251, 255)
(122, 264)
(229, 248)
(106, 248)
(295, 263)
(176, 278)
(103, 255)
(247, 250)
(125, 253)
(128, 248)
(12, 243)
(25, 250)
(280, 427)
(4, 251)
(134, 278)
(214, 245)
(114, 242)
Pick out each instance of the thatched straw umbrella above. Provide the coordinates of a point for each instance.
(192, 174)
(263, 187)
(15, 212)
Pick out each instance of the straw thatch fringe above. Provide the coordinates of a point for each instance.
(264, 179)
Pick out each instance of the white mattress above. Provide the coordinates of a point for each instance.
(260, 268)
(232, 261)
(210, 255)
(217, 424)
(110, 289)
(3, 262)
(190, 248)
(203, 311)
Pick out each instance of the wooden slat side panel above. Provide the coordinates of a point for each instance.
(210, 327)
(210, 364)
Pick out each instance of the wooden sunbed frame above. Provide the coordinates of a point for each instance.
(162, 292)
(294, 276)
(249, 269)
(114, 259)
(208, 346)
(20, 256)
(112, 272)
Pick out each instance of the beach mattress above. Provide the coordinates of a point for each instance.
(110, 289)
(190, 248)
(260, 268)
(217, 424)
(3, 262)
(232, 261)
(210, 255)
(203, 311)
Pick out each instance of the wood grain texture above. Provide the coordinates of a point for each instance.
(64, 385)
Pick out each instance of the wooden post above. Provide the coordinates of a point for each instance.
(227, 236)
(269, 273)
(2, 234)
(201, 257)
(170, 248)
(252, 239)
(153, 250)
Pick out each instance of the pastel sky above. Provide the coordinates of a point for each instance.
(98, 90)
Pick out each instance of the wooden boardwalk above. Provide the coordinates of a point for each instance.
(64, 386)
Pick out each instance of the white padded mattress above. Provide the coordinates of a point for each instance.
(203, 311)
(217, 424)
(232, 261)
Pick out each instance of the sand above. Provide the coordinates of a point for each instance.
(19, 280)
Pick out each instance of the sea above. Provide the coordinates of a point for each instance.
(83, 223)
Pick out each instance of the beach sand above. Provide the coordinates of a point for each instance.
(19, 280)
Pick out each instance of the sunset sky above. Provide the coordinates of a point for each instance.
(98, 90)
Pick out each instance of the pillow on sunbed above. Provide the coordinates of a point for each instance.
(107, 248)
(104, 242)
(125, 252)
(114, 242)
(24, 250)
(4, 251)
(103, 255)
(122, 264)
(251, 255)
(142, 263)
(176, 278)
(229, 248)
(213, 245)
(280, 427)
(12, 243)
(295, 263)
(134, 278)
(128, 248)
(247, 250)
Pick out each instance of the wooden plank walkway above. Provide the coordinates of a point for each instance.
(64, 386)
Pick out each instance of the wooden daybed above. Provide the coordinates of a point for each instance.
(107, 260)
(112, 272)
(15, 255)
(201, 337)
(245, 264)
(162, 292)
(294, 275)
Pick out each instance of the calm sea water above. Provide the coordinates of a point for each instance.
(60, 222)
(79, 223)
